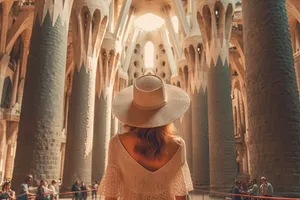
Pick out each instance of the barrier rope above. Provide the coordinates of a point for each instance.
(203, 191)
(245, 195)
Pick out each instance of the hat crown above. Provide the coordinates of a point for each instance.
(149, 92)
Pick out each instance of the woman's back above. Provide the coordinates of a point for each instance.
(129, 142)
(129, 176)
(147, 162)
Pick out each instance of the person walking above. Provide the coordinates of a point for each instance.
(149, 160)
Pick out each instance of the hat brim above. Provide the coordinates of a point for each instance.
(128, 113)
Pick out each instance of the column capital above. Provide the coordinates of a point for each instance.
(55, 8)
(90, 20)
(108, 63)
(215, 21)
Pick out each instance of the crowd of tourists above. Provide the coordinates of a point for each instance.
(252, 188)
(41, 190)
(81, 190)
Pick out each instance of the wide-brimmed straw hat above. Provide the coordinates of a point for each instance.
(150, 103)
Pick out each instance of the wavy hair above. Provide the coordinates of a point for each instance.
(153, 140)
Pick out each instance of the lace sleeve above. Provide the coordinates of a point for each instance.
(111, 181)
(182, 183)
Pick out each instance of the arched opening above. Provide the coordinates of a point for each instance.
(192, 57)
(149, 55)
(229, 13)
(186, 75)
(96, 24)
(219, 19)
(6, 93)
(199, 52)
(207, 22)
(86, 17)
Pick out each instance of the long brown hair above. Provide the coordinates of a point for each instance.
(152, 140)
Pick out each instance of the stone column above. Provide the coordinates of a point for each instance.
(172, 34)
(122, 17)
(184, 75)
(221, 134)
(216, 17)
(9, 160)
(11, 137)
(179, 10)
(3, 147)
(62, 159)
(79, 144)
(272, 97)
(102, 124)
(200, 139)
(187, 136)
(80, 126)
(41, 119)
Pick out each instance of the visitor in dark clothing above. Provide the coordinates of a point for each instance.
(76, 188)
(236, 190)
(83, 188)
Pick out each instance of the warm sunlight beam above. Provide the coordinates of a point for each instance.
(149, 22)
(149, 55)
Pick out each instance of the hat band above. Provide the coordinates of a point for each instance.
(150, 107)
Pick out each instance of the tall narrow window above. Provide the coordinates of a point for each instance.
(149, 55)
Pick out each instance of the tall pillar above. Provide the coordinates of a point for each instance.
(102, 123)
(3, 147)
(11, 137)
(172, 33)
(200, 120)
(41, 118)
(200, 139)
(122, 18)
(272, 97)
(185, 78)
(9, 160)
(216, 17)
(187, 136)
(183, 22)
(79, 144)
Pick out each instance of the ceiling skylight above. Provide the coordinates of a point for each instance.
(149, 22)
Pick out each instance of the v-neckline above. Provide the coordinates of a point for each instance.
(140, 165)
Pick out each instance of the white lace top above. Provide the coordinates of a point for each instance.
(126, 179)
